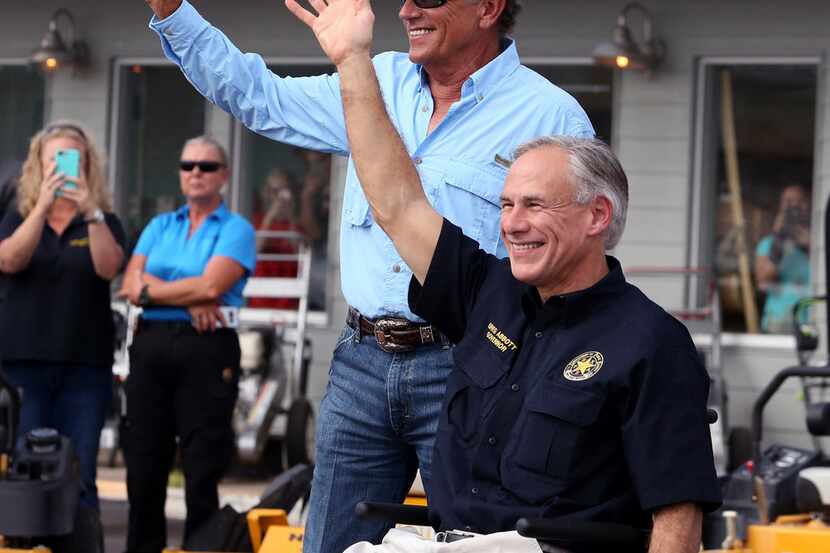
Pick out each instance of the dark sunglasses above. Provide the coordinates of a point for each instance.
(204, 166)
(427, 4)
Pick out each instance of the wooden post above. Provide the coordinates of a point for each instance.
(733, 179)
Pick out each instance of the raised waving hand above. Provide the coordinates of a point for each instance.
(342, 27)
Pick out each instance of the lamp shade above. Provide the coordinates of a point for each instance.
(623, 52)
(52, 52)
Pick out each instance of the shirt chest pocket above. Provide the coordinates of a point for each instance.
(469, 195)
(470, 390)
(556, 432)
(355, 205)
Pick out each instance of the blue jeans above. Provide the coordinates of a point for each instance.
(376, 427)
(71, 399)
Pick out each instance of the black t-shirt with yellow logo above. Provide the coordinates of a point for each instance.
(57, 309)
(591, 406)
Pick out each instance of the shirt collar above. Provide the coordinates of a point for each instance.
(218, 214)
(573, 304)
(488, 77)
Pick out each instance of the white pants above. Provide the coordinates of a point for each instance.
(402, 540)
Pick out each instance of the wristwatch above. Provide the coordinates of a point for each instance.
(144, 296)
(96, 217)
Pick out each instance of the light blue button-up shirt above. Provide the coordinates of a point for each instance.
(173, 255)
(460, 163)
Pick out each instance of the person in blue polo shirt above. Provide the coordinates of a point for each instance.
(184, 360)
(574, 397)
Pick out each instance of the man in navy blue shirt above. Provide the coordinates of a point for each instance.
(574, 397)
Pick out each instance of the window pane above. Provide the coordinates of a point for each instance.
(287, 189)
(158, 111)
(774, 111)
(21, 113)
(591, 85)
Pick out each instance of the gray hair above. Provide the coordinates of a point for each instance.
(507, 19)
(210, 141)
(595, 171)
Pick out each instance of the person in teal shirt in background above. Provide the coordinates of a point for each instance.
(782, 260)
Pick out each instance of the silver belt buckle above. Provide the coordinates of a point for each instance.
(450, 536)
(383, 334)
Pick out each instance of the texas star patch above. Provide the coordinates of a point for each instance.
(584, 366)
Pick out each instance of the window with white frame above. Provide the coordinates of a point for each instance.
(287, 189)
(157, 110)
(754, 166)
(591, 85)
(21, 113)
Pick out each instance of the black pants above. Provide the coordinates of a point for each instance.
(181, 384)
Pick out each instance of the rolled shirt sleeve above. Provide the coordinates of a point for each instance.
(149, 237)
(237, 241)
(666, 435)
(456, 273)
(303, 111)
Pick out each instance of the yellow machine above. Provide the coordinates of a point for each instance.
(783, 495)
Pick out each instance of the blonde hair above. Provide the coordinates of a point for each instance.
(28, 187)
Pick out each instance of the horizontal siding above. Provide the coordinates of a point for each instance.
(632, 254)
(658, 191)
(655, 120)
(652, 126)
(640, 154)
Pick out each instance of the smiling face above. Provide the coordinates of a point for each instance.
(452, 35)
(554, 243)
(197, 186)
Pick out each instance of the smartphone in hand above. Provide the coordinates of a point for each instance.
(68, 162)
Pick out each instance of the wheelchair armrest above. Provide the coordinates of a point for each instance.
(414, 515)
(585, 533)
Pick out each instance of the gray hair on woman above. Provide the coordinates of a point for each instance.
(595, 171)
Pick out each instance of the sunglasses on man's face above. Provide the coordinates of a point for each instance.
(427, 4)
(204, 166)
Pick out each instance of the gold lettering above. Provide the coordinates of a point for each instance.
(495, 341)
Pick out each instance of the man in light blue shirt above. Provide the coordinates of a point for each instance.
(462, 103)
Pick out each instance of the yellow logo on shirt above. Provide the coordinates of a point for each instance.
(499, 339)
(584, 366)
(80, 242)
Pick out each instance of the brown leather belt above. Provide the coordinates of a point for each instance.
(394, 334)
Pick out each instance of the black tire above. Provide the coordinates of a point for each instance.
(740, 447)
(299, 434)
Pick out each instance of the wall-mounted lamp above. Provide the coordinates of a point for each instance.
(54, 52)
(623, 52)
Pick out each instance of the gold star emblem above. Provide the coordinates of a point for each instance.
(583, 367)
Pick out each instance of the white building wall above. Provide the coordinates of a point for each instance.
(653, 117)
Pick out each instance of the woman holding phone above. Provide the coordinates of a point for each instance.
(59, 250)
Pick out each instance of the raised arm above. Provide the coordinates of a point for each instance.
(163, 8)
(389, 179)
(241, 83)
(677, 529)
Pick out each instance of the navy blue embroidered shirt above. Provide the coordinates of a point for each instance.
(591, 406)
